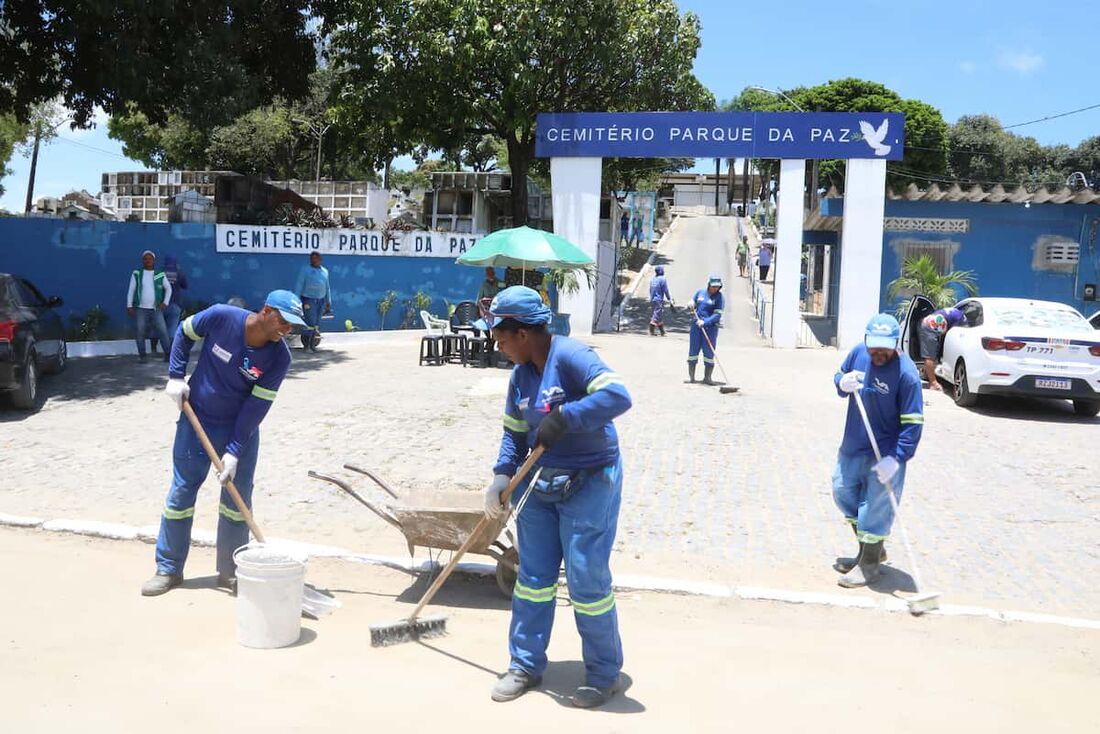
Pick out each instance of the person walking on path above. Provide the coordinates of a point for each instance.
(888, 383)
(624, 227)
(237, 376)
(637, 227)
(764, 259)
(563, 397)
(316, 294)
(708, 303)
(177, 279)
(931, 332)
(658, 294)
(742, 255)
(146, 298)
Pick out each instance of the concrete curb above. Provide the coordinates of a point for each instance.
(624, 582)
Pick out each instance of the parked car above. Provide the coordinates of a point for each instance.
(32, 340)
(1095, 320)
(1015, 346)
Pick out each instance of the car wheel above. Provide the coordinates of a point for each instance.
(963, 397)
(25, 396)
(1087, 408)
(59, 362)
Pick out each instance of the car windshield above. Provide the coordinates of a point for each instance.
(1042, 317)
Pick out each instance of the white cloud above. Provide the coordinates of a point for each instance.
(1022, 61)
(967, 67)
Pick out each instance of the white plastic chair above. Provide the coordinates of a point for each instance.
(434, 326)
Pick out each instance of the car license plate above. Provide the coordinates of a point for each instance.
(1052, 384)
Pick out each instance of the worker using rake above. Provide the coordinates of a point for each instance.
(238, 373)
(708, 303)
(563, 398)
(887, 383)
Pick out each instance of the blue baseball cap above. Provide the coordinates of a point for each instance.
(520, 303)
(714, 280)
(883, 332)
(288, 305)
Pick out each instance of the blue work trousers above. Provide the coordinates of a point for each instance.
(312, 309)
(156, 316)
(190, 465)
(580, 531)
(697, 343)
(862, 497)
(172, 313)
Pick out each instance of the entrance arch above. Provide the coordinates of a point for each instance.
(576, 144)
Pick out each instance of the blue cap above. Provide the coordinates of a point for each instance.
(883, 332)
(287, 304)
(660, 270)
(520, 303)
(714, 280)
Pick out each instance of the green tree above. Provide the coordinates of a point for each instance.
(982, 151)
(920, 276)
(11, 132)
(433, 72)
(173, 144)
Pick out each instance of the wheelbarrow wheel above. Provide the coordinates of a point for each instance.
(506, 571)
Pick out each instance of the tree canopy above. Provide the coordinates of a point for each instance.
(982, 151)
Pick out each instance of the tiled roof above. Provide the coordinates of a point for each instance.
(990, 195)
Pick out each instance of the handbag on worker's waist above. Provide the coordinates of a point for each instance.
(557, 485)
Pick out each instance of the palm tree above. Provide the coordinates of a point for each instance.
(920, 276)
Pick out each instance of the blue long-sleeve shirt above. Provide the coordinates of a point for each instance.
(313, 283)
(895, 406)
(233, 383)
(707, 307)
(658, 289)
(591, 396)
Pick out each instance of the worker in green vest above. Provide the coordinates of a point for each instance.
(146, 299)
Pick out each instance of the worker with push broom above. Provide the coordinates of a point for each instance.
(243, 361)
(561, 398)
(708, 303)
(878, 379)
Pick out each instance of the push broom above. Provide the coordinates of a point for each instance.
(921, 601)
(414, 627)
(727, 388)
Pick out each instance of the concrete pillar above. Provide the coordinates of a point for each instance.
(788, 261)
(575, 188)
(861, 249)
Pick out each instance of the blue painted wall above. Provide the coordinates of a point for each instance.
(1000, 246)
(88, 264)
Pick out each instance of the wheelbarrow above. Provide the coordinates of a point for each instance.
(442, 520)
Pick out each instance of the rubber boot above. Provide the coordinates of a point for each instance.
(661, 328)
(691, 371)
(708, 370)
(866, 570)
(844, 564)
(652, 330)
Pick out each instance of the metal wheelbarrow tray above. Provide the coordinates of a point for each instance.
(443, 520)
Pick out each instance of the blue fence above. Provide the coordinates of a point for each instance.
(88, 264)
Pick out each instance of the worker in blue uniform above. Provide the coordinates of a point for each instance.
(890, 387)
(658, 294)
(563, 397)
(237, 376)
(708, 304)
(316, 294)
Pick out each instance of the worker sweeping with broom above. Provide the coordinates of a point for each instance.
(703, 336)
(561, 398)
(242, 364)
(658, 294)
(879, 379)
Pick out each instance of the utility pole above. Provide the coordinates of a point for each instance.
(34, 166)
(745, 183)
(717, 182)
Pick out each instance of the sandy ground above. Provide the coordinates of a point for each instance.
(82, 649)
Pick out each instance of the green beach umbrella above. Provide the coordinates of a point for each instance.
(524, 247)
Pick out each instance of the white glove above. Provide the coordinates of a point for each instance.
(178, 390)
(886, 469)
(229, 468)
(494, 510)
(851, 381)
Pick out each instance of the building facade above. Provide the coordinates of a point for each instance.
(145, 196)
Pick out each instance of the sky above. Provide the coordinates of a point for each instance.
(1018, 61)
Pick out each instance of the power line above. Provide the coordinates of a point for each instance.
(971, 182)
(91, 148)
(1053, 117)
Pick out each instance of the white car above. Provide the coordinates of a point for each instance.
(1015, 346)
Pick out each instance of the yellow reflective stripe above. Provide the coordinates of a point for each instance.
(865, 537)
(602, 380)
(189, 330)
(596, 608)
(263, 393)
(913, 418)
(538, 596)
(515, 424)
(708, 360)
(717, 310)
(170, 514)
(233, 515)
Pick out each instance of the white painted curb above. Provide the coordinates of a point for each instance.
(624, 582)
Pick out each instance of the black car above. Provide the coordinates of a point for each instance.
(32, 340)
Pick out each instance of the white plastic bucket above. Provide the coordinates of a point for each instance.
(269, 596)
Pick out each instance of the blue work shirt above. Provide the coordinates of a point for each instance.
(233, 383)
(765, 256)
(591, 396)
(708, 307)
(313, 283)
(895, 406)
(658, 289)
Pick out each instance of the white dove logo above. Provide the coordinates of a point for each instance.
(875, 137)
